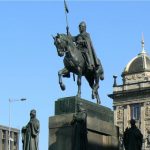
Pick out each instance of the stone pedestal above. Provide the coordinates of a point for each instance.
(102, 134)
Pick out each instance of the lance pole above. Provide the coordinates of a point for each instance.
(66, 11)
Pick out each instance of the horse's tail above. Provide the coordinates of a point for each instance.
(100, 70)
(90, 78)
(74, 77)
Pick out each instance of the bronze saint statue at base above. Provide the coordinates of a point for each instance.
(30, 133)
(79, 124)
(133, 137)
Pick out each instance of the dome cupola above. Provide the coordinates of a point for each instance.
(138, 69)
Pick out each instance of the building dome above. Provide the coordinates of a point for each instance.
(139, 64)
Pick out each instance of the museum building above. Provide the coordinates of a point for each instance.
(4, 138)
(131, 100)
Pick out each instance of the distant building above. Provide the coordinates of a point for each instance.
(4, 138)
(132, 98)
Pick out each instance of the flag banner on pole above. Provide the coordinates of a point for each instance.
(66, 8)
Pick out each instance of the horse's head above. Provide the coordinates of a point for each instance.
(60, 41)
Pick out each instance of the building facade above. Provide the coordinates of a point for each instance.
(131, 100)
(4, 138)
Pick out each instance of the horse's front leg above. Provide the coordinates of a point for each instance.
(79, 85)
(64, 71)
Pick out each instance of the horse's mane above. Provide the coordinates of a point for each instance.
(67, 38)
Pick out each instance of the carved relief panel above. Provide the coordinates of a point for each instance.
(147, 124)
(136, 77)
(120, 113)
(147, 110)
(119, 118)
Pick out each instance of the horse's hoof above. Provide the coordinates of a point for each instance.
(99, 102)
(93, 96)
(78, 95)
(62, 87)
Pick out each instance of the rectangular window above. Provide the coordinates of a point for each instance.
(3, 134)
(15, 139)
(135, 111)
(3, 144)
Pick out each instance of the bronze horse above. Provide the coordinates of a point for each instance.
(74, 62)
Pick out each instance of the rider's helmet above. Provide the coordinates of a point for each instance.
(82, 27)
(82, 24)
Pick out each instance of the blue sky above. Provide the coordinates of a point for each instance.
(29, 61)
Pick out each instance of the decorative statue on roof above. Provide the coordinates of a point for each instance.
(79, 58)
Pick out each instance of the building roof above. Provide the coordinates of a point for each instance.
(140, 63)
(3, 127)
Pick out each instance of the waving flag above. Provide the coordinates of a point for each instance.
(66, 8)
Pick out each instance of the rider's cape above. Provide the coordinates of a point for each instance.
(93, 58)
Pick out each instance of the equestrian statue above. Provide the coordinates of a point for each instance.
(79, 58)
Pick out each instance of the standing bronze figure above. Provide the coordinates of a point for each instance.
(80, 59)
(79, 124)
(30, 133)
(133, 137)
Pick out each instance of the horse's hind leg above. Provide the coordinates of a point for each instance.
(96, 87)
(64, 71)
(95, 93)
(95, 90)
(98, 98)
(79, 85)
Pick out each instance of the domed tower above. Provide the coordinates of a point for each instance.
(138, 69)
(131, 100)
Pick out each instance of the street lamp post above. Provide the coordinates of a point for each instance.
(9, 137)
